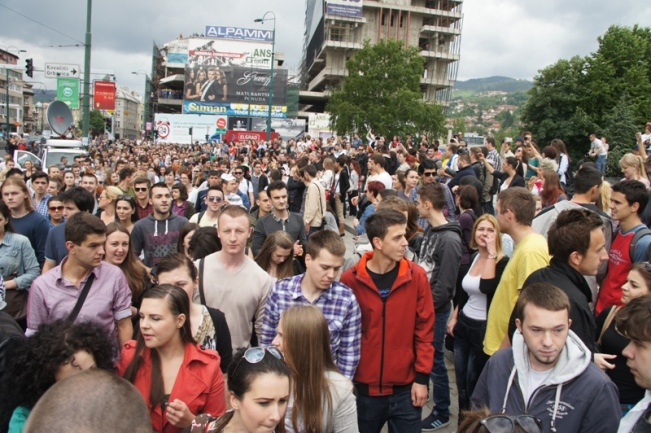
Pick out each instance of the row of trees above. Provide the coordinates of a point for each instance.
(607, 92)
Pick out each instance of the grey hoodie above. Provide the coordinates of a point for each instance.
(157, 238)
(577, 396)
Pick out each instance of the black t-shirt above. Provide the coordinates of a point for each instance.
(643, 425)
(613, 343)
(384, 282)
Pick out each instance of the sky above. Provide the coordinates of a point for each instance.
(514, 38)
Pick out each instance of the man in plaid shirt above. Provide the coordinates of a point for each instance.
(317, 286)
(40, 181)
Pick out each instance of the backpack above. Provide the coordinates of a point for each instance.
(495, 187)
(644, 231)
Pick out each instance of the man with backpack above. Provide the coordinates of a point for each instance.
(628, 200)
(214, 201)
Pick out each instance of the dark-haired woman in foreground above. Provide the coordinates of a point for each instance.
(177, 378)
(258, 386)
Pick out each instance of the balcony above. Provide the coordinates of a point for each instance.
(436, 82)
(440, 30)
(440, 55)
(416, 9)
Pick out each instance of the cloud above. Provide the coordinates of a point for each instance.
(517, 38)
(500, 37)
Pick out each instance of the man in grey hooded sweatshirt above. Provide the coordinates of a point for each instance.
(548, 373)
(157, 235)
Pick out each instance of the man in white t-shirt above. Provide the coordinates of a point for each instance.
(376, 163)
(598, 151)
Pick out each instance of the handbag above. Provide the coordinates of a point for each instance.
(16, 303)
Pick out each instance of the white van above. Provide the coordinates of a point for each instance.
(51, 153)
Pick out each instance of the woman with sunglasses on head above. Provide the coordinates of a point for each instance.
(125, 211)
(322, 399)
(258, 387)
(208, 325)
(177, 378)
(611, 343)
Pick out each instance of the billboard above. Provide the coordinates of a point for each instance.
(233, 109)
(177, 52)
(238, 33)
(68, 92)
(226, 52)
(104, 95)
(344, 8)
(286, 128)
(175, 128)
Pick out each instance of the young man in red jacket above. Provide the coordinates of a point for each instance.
(397, 329)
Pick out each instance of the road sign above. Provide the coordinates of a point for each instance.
(68, 91)
(58, 70)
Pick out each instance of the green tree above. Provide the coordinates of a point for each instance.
(96, 123)
(619, 127)
(458, 125)
(382, 92)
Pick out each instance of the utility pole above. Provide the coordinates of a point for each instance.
(85, 106)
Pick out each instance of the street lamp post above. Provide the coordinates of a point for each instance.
(7, 101)
(271, 84)
(148, 86)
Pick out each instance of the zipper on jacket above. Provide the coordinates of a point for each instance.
(384, 325)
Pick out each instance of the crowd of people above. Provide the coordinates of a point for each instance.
(211, 290)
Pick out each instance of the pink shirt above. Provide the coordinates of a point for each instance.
(52, 297)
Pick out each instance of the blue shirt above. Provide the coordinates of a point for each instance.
(55, 247)
(35, 228)
(340, 308)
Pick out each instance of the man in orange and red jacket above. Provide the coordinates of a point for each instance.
(397, 329)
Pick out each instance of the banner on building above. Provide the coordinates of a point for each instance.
(344, 8)
(239, 33)
(177, 52)
(68, 92)
(233, 109)
(175, 128)
(226, 52)
(104, 95)
(248, 135)
(251, 86)
(286, 128)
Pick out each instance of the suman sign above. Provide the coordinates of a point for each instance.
(222, 32)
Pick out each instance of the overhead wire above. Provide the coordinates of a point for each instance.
(41, 24)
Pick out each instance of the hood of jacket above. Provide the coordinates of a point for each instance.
(452, 226)
(573, 360)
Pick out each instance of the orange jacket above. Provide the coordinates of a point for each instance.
(397, 333)
(199, 384)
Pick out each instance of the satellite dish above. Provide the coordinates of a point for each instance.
(59, 117)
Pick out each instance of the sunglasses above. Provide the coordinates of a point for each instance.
(507, 423)
(56, 208)
(141, 189)
(429, 173)
(237, 173)
(255, 355)
(217, 199)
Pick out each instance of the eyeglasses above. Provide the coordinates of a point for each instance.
(429, 173)
(507, 423)
(255, 355)
(141, 189)
(237, 173)
(56, 208)
(214, 198)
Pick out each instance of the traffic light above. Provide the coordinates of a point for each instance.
(29, 68)
(155, 133)
(190, 130)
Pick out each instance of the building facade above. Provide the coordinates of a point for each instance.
(127, 122)
(11, 87)
(333, 34)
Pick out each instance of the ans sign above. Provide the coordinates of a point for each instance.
(222, 32)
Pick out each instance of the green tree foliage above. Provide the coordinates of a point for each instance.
(382, 92)
(96, 123)
(607, 92)
(459, 125)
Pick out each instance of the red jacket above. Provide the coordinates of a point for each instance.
(199, 384)
(397, 333)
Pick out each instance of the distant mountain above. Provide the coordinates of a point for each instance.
(504, 84)
(44, 95)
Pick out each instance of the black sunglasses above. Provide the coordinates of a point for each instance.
(429, 173)
(507, 423)
(141, 189)
(56, 208)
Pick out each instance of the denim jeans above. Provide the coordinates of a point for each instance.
(439, 374)
(469, 356)
(601, 163)
(374, 412)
